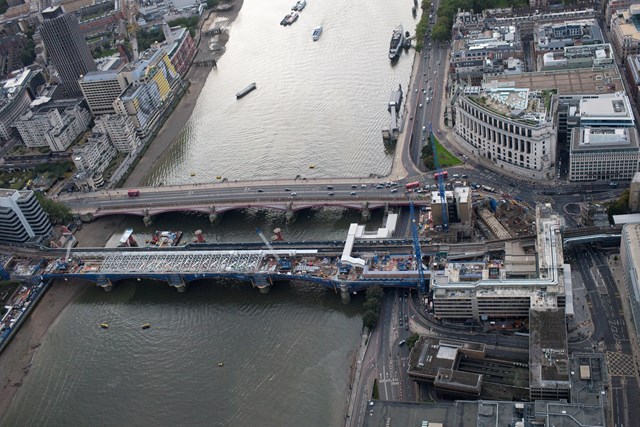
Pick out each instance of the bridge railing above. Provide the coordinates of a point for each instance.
(335, 201)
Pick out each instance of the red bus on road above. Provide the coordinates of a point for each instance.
(412, 185)
(444, 175)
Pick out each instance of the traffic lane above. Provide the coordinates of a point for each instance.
(343, 195)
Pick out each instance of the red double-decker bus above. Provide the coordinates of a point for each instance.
(412, 185)
(444, 175)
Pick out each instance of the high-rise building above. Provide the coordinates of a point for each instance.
(67, 48)
(21, 217)
(100, 89)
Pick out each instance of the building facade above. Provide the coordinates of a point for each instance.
(94, 157)
(512, 127)
(121, 132)
(601, 153)
(101, 89)
(625, 35)
(14, 101)
(22, 218)
(153, 80)
(52, 125)
(180, 47)
(67, 48)
(483, 291)
(630, 259)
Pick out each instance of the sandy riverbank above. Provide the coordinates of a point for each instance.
(16, 360)
(197, 76)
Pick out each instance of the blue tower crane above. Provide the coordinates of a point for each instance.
(440, 177)
(422, 285)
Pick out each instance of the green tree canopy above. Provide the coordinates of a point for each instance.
(58, 212)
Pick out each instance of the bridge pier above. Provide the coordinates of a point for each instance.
(147, 219)
(262, 282)
(178, 283)
(105, 283)
(88, 217)
(289, 213)
(345, 295)
(366, 213)
(214, 217)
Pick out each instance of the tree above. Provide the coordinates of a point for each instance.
(369, 319)
(374, 296)
(375, 292)
(58, 212)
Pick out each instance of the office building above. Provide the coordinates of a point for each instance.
(15, 98)
(66, 47)
(601, 153)
(101, 89)
(512, 127)
(22, 218)
(630, 259)
(634, 193)
(625, 33)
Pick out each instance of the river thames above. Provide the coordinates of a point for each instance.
(286, 354)
(320, 104)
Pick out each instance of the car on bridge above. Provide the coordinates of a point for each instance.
(353, 193)
(294, 194)
(332, 194)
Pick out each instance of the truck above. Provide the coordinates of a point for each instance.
(133, 193)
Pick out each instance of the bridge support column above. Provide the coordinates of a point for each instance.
(105, 283)
(214, 217)
(88, 217)
(263, 283)
(366, 213)
(345, 295)
(147, 219)
(178, 283)
(290, 214)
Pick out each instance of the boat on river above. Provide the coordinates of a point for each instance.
(300, 4)
(285, 20)
(317, 32)
(293, 16)
(397, 39)
(241, 94)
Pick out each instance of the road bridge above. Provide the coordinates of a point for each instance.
(214, 200)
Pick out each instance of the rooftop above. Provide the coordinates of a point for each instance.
(590, 139)
(576, 81)
(548, 354)
(510, 101)
(610, 105)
